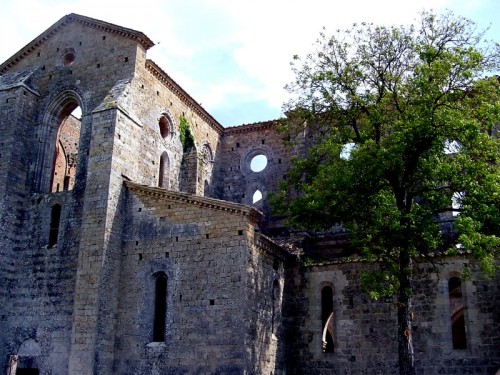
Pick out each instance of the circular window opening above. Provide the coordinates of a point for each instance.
(258, 163)
(164, 124)
(68, 58)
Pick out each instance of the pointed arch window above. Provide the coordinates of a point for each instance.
(327, 319)
(257, 196)
(55, 221)
(457, 313)
(160, 311)
(66, 148)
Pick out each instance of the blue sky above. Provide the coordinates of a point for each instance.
(231, 56)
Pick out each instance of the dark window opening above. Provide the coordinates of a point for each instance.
(206, 188)
(276, 265)
(27, 371)
(327, 319)
(55, 220)
(160, 308)
(67, 181)
(457, 313)
(164, 124)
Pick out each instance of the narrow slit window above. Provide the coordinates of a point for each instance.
(457, 313)
(55, 221)
(160, 308)
(163, 175)
(275, 301)
(327, 319)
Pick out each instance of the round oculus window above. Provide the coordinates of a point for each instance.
(68, 58)
(258, 163)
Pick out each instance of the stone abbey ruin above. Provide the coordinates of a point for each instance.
(132, 242)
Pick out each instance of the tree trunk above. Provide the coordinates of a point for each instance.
(405, 340)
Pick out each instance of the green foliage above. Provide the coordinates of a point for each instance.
(185, 134)
(380, 284)
(402, 95)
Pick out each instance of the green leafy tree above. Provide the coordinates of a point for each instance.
(402, 126)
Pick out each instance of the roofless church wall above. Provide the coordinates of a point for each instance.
(137, 236)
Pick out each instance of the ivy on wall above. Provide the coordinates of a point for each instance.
(185, 134)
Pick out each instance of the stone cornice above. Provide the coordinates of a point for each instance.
(432, 257)
(269, 246)
(183, 95)
(139, 37)
(215, 204)
(254, 127)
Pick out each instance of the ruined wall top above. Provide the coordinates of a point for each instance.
(138, 36)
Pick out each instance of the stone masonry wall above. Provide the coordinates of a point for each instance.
(264, 332)
(365, 339)
(202, 246)
(236, 181)
(154, 94)
(43, 283)
(16, 106)
(36, 301)
(236, 303)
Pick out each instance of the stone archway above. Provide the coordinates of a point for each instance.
(59, 133)
(25, 361)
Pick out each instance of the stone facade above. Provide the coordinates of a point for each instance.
(127, 250)
(365, 330)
